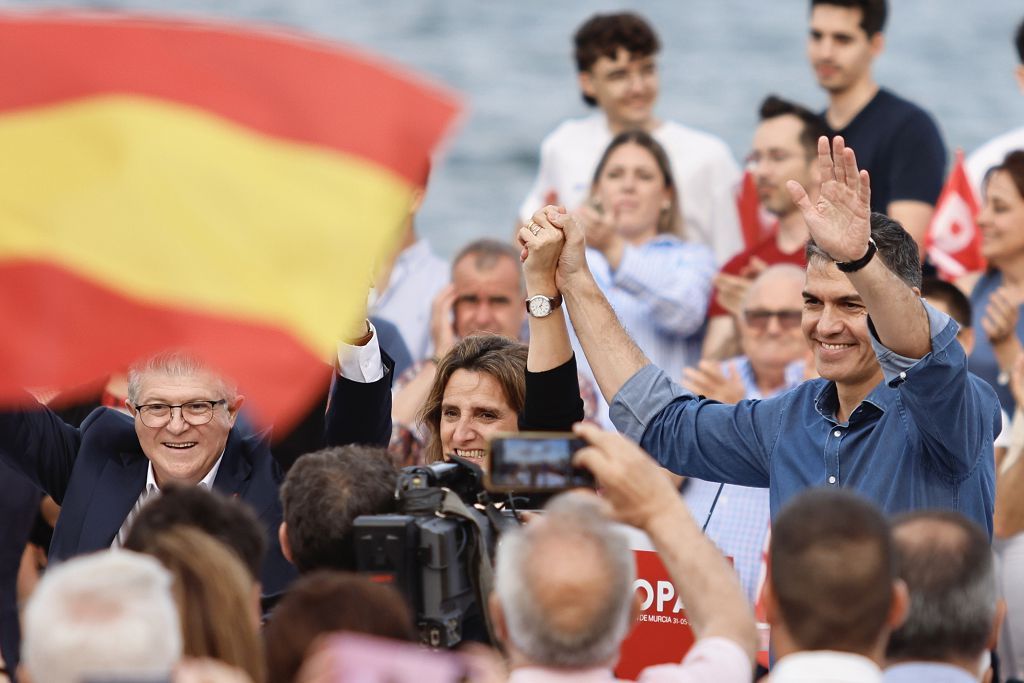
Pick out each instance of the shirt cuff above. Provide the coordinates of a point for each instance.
(361, 363)
(942, 330)
(641, 399)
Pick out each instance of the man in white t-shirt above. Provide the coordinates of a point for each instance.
(615, 56)
(995, 150)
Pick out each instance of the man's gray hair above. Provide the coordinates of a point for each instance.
(896, 248)
(573, 522)
(103, 616)
(946, 561)
(175, 364)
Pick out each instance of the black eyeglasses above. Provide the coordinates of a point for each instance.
(758, 318)
(194, 412)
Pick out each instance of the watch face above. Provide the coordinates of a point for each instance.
(540, 306)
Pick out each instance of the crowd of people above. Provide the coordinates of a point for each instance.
(815, 434)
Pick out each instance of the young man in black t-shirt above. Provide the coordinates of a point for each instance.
(895, 140)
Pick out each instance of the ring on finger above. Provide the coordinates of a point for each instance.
(533, 227)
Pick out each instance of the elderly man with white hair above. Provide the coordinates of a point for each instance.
(106, 616)
(181, 430)
(564, 599)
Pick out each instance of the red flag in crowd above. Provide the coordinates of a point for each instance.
(196, 185)
(749, 206)
(953, 241)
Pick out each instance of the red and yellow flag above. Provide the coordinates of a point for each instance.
(170, 184)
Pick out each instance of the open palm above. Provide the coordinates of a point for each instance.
(840, 221)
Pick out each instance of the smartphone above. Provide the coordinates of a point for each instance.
(535, 461)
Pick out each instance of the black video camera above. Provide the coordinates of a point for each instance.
(438, 550)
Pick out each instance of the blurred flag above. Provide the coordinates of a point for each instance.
(953, 241)
(752, 223)
(195, 185)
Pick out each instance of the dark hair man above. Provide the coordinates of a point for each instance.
(785, 147)
(321, 497)
(896, 141)
(229, 520)
(896, 416)
(995, 150)
(832, 595)
(955, 611)
(618, 74)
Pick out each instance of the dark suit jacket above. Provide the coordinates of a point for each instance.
(97, 472)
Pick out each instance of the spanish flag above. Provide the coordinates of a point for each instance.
(175, 184)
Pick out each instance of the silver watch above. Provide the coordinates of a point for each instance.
(540, 306)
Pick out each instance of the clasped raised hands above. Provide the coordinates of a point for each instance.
(840, 220)
(553, 248)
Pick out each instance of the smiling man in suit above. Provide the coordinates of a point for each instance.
(182, 429)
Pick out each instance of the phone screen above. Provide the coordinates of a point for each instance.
(539, 461)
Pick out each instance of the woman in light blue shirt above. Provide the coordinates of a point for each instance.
(657, 283)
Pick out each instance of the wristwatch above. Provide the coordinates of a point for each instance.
(540, 306)
(854, 266)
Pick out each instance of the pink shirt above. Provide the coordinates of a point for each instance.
(710, 659)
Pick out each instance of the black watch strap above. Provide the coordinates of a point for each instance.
(854, 266)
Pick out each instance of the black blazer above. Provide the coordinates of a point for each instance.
(97, 472)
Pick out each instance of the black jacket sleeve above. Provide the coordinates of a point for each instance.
(553, 402)
(360, 412)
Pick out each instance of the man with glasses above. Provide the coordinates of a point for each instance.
(785, 148)
(773, 362)
(895, 417)
(181, 431)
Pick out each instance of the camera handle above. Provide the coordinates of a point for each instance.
(452, 504)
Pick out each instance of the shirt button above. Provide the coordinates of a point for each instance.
(837, 433)
(831, 480)
(903, 375)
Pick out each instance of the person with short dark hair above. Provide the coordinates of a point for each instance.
(895, 416)
(833, 595)
(321, 497)
(784, 148)
(897, 141)
(995, 150)
(229, 520)
(324, 602)
(616, 59)
(955, 612)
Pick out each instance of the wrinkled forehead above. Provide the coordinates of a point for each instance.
(776, 292)
(495, 276)
(197, 385)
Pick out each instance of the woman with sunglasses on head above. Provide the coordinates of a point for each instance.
(657, 283)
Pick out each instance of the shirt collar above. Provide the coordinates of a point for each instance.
(938, 672)
(539, 674)
(839, 667)
(206, 482)
(826, 402)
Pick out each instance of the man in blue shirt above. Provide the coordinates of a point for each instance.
(896, 416)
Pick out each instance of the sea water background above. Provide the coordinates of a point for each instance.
(511, 60)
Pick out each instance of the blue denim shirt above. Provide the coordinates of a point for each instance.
(921, 439)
